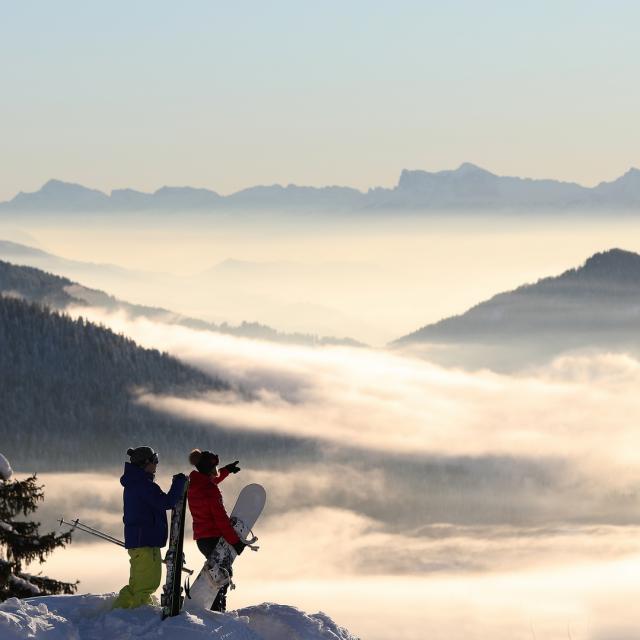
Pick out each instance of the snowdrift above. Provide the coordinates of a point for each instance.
(90, 617)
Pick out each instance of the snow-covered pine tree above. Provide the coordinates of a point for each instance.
(20, 540)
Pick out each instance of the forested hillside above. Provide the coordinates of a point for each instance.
(67, 394)
(34, 285)
(595, 303)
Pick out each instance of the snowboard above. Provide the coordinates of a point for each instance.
(172, 598)
(216, 572)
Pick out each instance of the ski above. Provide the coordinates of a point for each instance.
(172, 598)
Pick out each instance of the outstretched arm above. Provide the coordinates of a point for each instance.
(222, 474)
(232, 467)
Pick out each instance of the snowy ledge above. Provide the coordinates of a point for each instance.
(90, 617)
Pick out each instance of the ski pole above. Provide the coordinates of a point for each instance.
(85, 528)
(96, 532)
(76, 524)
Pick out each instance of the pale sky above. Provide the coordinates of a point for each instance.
(227, 95)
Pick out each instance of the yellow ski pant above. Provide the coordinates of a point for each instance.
(144, 578)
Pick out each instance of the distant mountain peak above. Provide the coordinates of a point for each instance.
(632, 173)
(60, 186)
(53, 184)
(612, 264)
(470, 168)
(613, 254)
(465, 169)
(626, 186)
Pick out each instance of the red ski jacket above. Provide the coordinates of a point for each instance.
(210, 519)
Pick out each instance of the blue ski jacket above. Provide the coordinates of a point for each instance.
(145, 507)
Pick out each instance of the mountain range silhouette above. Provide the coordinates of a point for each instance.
(468, 187)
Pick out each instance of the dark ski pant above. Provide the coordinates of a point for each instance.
(206, 546)
(145, 574)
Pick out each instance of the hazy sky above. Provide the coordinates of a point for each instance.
(226, 95)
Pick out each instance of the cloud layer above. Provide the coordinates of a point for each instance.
(580, 408)
(408, 445)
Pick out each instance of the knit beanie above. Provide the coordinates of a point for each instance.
(203, 461)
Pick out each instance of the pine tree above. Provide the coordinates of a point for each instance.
(21, 542)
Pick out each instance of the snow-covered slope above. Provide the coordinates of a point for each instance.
(90, 617)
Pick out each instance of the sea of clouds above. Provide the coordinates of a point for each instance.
(441, 476)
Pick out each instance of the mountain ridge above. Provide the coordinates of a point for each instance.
(468, 186)
(59, 292)
(595, 305)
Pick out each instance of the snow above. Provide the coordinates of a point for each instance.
(5, 468)
(21, 583)
(90, 617)
(281, 621)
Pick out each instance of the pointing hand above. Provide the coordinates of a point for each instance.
(232, 467)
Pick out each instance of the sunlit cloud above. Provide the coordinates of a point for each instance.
(581, 408)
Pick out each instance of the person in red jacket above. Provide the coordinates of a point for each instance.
(210, 519)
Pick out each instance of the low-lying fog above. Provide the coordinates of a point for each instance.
(373, 277)
(455, 504)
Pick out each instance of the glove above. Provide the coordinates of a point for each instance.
(239, 547)
(180, 477)
(232, 467)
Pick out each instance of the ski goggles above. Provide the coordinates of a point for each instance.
(154, 458)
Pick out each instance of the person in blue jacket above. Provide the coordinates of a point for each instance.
(145, 525)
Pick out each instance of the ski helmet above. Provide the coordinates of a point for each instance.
(140, 456)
